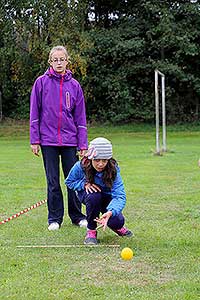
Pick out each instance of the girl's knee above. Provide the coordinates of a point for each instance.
(94, 198)
(116, 222)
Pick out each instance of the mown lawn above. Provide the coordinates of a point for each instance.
(163, 210)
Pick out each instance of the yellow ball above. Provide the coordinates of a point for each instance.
(126, 253)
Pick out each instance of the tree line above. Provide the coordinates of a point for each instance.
(114, 46)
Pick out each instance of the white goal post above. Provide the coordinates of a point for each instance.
(157, 111)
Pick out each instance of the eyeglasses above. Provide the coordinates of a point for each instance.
(56, 60)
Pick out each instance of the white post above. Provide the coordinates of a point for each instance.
(157, 113)
(164, 138)
(164, 115)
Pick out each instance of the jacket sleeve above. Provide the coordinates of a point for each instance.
(35, 104)
(80, 120)
(76, 178)
(118, 195)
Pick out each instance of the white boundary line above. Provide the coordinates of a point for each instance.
(67, 246)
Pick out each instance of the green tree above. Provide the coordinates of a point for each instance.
(115, 47)
(152, 34)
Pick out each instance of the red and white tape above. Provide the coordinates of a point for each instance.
(23, 211)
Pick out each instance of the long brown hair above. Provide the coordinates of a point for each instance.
(109, 173)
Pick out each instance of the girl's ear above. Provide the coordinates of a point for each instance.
(49, 62)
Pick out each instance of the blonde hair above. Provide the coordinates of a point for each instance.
(58, 48)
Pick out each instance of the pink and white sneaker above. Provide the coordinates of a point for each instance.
(91, 237)
(123, 232)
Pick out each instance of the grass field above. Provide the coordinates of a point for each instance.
(163, 210)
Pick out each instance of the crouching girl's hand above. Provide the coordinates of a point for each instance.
(92, 188)
(103, 220)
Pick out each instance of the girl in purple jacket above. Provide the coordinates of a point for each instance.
(98, 183)
(58, 128)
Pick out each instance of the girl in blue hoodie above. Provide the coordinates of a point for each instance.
(98, 184)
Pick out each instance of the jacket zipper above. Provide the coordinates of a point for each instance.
(60, 112)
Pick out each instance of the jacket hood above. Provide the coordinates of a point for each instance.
(51, 73)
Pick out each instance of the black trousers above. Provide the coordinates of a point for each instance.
(51, 158)
(96, 203)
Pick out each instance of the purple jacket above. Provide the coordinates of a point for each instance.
(57, 112)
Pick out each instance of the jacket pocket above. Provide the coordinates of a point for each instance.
(68, 100)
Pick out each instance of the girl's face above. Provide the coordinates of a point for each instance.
(59, 61)
(99, 164)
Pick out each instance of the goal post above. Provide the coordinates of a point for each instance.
(159, 149)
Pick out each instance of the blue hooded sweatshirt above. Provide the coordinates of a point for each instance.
(76, 181)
